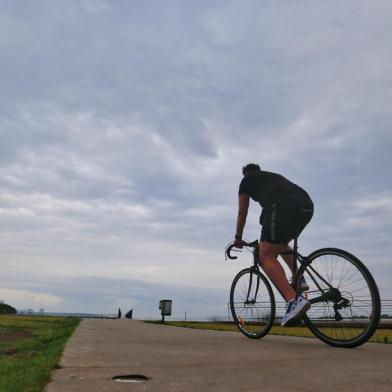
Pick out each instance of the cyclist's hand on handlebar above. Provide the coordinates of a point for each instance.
(239, 243)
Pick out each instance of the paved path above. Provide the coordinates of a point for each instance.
(179, 360)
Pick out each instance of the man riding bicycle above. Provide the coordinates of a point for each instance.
(287, 209)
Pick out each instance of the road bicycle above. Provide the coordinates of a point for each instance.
(345, 302)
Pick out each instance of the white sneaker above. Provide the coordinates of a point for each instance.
(295, 309)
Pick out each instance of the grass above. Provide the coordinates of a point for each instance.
(30, 348)
(380, 336)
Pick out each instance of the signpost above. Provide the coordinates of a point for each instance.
(165, 306)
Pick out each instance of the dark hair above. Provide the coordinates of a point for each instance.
(250, 167)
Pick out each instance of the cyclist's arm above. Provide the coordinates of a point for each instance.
(243, 206)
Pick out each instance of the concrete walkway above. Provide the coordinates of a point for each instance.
(179, 359)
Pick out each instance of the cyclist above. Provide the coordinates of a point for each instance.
(286, 210)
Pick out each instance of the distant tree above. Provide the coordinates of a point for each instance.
(7, 309)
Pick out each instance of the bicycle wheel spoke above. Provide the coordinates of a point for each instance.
(348, 279)
(360, 279)
(361, 288)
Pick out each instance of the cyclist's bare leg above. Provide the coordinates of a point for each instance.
(289, 258)
(269, 261)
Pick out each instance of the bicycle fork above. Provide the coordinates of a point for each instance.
(249, 301)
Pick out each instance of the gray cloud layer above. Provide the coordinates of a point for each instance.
(124, 127)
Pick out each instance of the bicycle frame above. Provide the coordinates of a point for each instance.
(332, 294)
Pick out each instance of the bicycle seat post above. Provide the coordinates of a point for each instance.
(295, 248)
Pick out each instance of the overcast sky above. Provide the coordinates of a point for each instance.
(125, 124)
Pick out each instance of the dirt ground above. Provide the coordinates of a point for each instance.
(10, 336)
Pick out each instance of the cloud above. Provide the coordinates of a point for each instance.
(22, 299)
(124, 129)
(379, 204)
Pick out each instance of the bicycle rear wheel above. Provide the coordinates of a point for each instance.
(252, 303)
(345, 302)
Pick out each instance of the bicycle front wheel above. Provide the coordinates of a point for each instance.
(252, 303)
(345, 302)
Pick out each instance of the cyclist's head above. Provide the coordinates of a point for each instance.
(250, 167)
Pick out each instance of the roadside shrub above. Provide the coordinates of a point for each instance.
(7, 309)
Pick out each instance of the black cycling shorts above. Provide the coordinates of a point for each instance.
(286, 219)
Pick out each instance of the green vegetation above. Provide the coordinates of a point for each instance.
(7, 309)
(30, 348)
(380, 336)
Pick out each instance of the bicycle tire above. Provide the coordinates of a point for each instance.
(351, 320)
(256, 318)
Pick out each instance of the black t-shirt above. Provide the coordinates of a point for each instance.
(268, 188)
